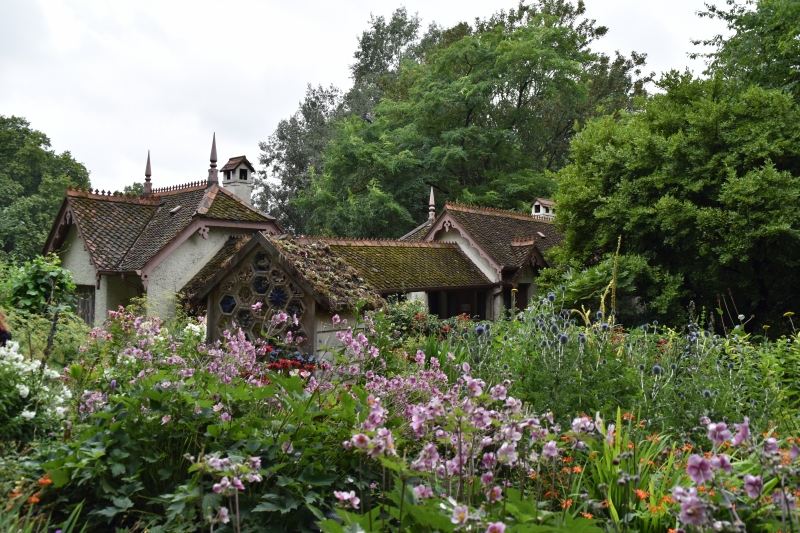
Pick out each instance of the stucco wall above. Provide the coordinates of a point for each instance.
(453, 235)
(76, 259)
(242, 189)
(180, 266)
(325, 330)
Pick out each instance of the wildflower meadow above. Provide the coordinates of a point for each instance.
(551, 419)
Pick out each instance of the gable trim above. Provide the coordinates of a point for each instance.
(202, 226)
(445, 222)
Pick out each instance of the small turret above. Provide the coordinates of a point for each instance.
(238, 177)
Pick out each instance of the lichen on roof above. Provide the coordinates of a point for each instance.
(336, 283)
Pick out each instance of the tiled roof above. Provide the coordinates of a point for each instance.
(390, 265)
(418, 233)
(123, 232)
(110, 226)
(336, 282)
(495, 229)
(234, 162)
(215, 264)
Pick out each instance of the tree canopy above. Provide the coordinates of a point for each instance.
(33, 180)
(480, 112)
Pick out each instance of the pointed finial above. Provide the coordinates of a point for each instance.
(431, 207)
(213, 173)
(148, 187)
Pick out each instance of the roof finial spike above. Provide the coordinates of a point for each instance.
(148, 187)
(213, 173)
(431, 207)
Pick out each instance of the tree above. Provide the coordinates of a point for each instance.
(704, 183)
(294, 150)
(483, 117)
(136, 188)
(764, 47)
(33, 180)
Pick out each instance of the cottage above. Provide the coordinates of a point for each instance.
(120, 246)
(235, 264)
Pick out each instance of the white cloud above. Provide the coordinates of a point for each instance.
(109, 80)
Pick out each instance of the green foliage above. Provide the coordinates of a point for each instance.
(763, 47)
(136, 188)
(33, 179)
(38, 286)
(703, 185)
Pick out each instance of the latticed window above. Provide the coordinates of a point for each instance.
(259, 280)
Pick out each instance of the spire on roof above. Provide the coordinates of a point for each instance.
(213, 173)
(148, 187)
(431, 207)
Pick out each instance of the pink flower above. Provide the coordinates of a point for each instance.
(225, 417)
(422, 492)
(287, 447)
(360, 441)
(719, 433)
(496, 527)
(723, 462)
(771, 445)
(699, 469)
(487, 478)
(238, 483)
(460, 515)
(224, 517)
(753, 485)
(348, 497)
(336, 319)
(743, 432)
(256, 306)
(498, 392)
(507, 454)
(495, 494)
(550, 450)
(165, 419)
(692, 511)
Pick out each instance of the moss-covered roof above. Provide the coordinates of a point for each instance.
(418, 233)
(215, 264)
(337, 283)
(402, 265)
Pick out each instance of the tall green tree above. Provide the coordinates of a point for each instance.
(764, 45)
(295, 149)
(482, 117)
(704, 183)
(33, 180)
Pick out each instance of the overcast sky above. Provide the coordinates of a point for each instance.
(108, 80)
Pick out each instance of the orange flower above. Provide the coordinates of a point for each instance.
(630, 445)
(655, 509)
(551, 493)
(604, 503)
(34, 499)
(566, 504)
(588, 516)
(533, 475)
(44, 480)
(568, 459)
(671, 531)
(642, 494)
(687, 447)
(628, 416)
(667, 499)
(577, 469)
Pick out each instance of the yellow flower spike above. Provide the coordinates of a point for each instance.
(787, 314)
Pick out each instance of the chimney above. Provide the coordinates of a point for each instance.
(213, 173)
(431, 207)
(148, 187)
(237, 177)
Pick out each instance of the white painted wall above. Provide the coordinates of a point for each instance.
(101, 302)
(180, 266)
(453, 235)
(418, 296)
(76, 259)
(325, 331)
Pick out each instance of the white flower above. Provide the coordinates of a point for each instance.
(23, 390)
(27, 415)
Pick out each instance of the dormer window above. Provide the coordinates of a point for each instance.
(242, 173)
(227, 174)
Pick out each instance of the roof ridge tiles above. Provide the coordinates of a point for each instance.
(495, 211)
(338, 241)
(182, 187)
(113, 196)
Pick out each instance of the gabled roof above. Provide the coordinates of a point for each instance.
(234, 162)
(335, 283)
(391, 266)
(418, 233)
(494, 230)
(544, 201)
(123, 232)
